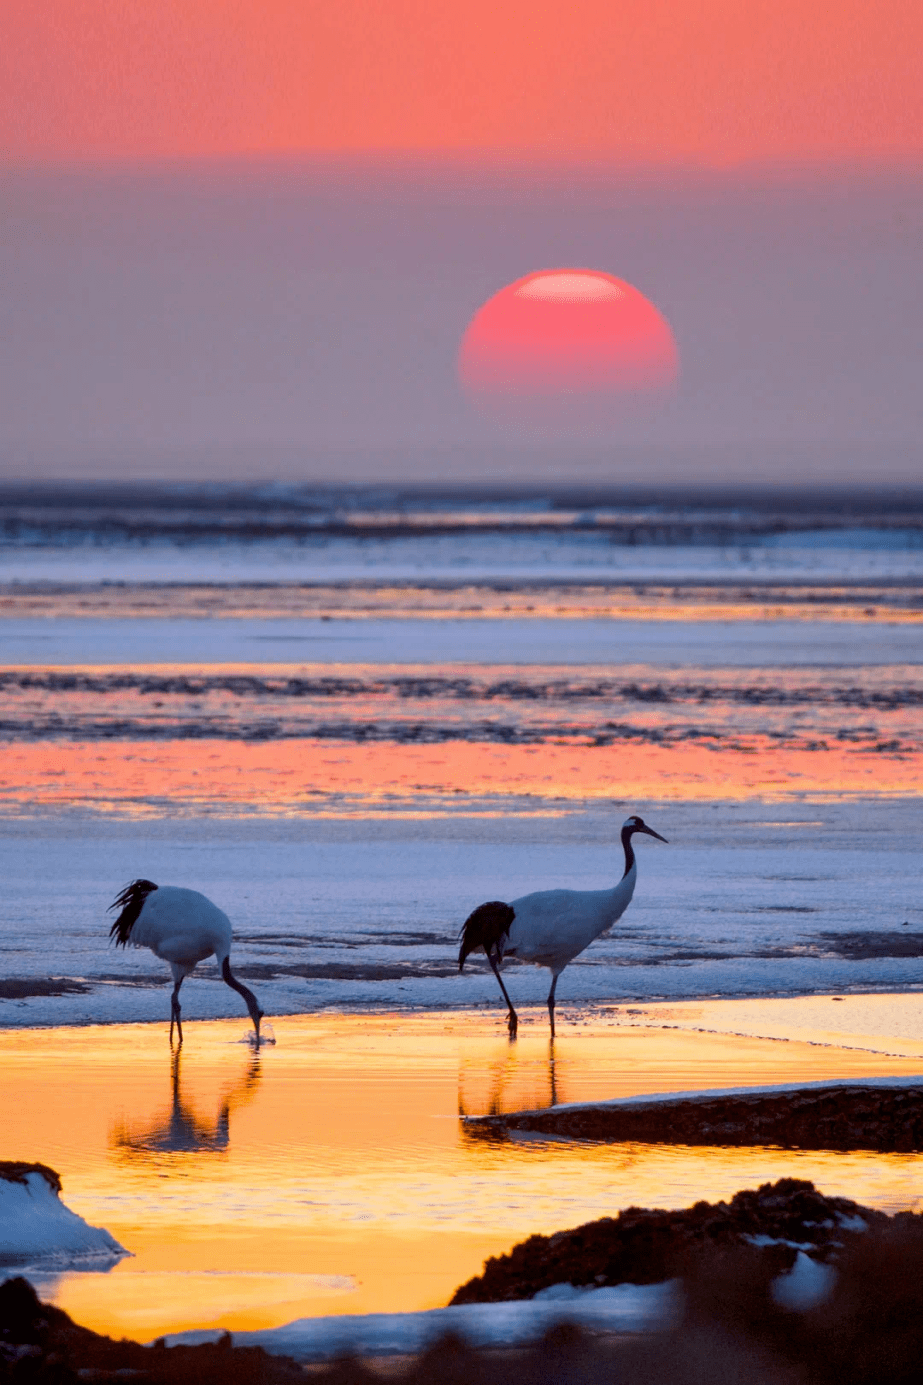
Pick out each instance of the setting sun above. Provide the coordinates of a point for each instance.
(566, 344)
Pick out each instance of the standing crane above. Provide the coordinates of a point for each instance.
(181, 927)
(551, 927)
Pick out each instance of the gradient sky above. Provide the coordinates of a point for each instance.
(718, 80)
(754, 168)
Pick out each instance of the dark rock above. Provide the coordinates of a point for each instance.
(40, 1343)
(886, 1119)
(15, 1171)
(21, 988)
(640, 1246)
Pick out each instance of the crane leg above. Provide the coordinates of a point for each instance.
(256, 1014)
(554, 982)
(514, 1018)
(175, 1013)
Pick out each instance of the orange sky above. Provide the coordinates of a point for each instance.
(719, 80)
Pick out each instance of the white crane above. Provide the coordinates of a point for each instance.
(551, 927)
(181, 927)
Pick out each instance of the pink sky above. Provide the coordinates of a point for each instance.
(715, 80)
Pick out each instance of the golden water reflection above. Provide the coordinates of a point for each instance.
(179, 1129)
(517, 1079)
(333, 1174)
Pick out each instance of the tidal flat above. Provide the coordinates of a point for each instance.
(349, 717)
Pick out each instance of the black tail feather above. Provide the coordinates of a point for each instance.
(131, 902)
(486, 927)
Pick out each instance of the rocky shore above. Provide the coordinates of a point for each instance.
(641, 1246)
(843, 1116)
(868, 1330)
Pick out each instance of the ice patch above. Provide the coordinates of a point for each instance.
(806, 1285)
(36, 1226)
(622, 1308)
(852, 1223)
(612, 1308)
(761, 1240)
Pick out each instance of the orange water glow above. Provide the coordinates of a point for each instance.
(331, 1174)
(328, 778)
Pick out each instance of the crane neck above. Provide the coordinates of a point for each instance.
(628, 849)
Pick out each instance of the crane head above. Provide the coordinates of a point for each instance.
(636, 824)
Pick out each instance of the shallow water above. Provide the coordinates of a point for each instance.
(331, 1173)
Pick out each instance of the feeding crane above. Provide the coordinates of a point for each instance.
(180, 927)
(551, 927)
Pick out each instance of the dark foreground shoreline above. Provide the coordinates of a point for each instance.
(867, 1330)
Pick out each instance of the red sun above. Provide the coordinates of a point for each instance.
(567, 346)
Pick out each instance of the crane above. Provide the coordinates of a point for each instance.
(181, 927)
(551, 927)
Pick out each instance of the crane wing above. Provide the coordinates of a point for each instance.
(552, 926)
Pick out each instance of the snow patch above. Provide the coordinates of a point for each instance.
(612, 1308)
(761, 1240)
(855, 1223)
(36, 1226)
(806, 1285)
(622, 1308)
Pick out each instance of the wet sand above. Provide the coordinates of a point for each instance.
(331, 1174)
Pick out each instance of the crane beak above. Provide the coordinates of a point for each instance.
(651, 833)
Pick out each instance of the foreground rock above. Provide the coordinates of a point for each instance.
(640, 1246)
(36, 1226)
(885, 1118)
(40, 1343)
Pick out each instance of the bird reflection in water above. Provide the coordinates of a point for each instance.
(180, 1129)
(513, 1081)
